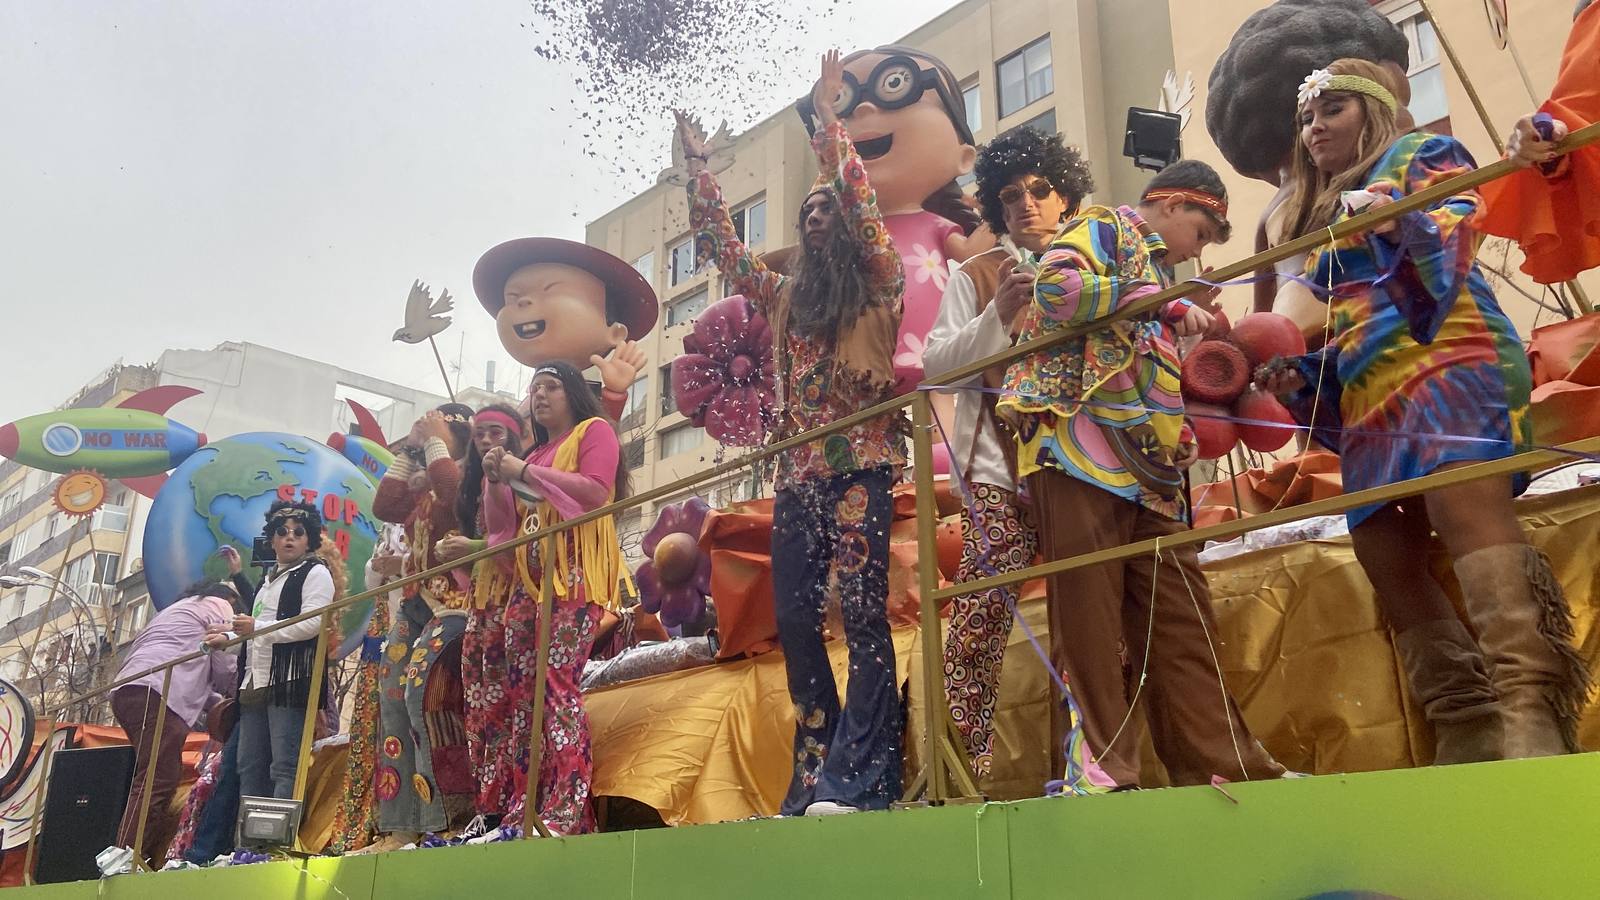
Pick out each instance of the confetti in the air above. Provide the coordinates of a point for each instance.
(634, 59)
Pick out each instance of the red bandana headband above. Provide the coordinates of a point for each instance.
(495, 416)
(1212, 202)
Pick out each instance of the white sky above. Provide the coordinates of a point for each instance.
(179, 174)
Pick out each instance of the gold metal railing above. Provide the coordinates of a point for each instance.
(946, 774)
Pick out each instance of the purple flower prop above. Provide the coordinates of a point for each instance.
(723, 381)
(676, 577)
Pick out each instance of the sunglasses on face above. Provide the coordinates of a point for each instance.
(289, 531)
(1011, 194)
(895, 83)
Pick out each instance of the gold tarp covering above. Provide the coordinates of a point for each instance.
(1300, 641)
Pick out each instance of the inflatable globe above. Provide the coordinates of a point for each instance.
(221, 495)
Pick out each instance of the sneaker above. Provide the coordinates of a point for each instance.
(829, 808)
(477, 828)
(496, 835)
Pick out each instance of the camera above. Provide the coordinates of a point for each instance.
(261, 552)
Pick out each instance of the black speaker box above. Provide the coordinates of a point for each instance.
(82, 809)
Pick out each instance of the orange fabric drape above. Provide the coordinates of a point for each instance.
(1307, 477)
(1557, 220)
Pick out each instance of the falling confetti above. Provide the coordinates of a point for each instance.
(634, 59)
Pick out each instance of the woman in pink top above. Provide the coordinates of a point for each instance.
(195, 687)
(575, 466)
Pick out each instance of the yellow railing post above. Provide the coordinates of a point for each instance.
(308, 731)
(927, 582)
(47, 756)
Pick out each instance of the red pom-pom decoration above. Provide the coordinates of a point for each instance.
(1215, 372)
(1263, 407)
(1214, 436)
(1265, 336)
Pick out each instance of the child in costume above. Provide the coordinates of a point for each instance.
(1423, 372)
(1028, 185)
(834, 326)
(1098, 421)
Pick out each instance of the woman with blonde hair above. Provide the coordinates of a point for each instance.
(1423, 372)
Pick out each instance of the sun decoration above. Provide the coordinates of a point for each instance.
(676, 579)
(80, 492)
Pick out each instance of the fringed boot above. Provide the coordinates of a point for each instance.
(1525, 629)
(1451, 681)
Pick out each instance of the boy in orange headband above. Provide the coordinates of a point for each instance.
(1098, 421)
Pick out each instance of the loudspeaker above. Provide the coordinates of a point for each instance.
(82, 809)
(1152, 138)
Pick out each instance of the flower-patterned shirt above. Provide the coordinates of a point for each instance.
(820, 382)
(1104, 407)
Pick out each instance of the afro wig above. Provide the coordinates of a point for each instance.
(1250, 98)
(1029, 151)
(283, 511)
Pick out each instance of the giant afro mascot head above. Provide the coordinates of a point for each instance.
(1250, 98)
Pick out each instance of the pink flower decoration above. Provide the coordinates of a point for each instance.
(676, 578)
(723, 381)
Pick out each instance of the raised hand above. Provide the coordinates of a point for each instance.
(830, 86)
(620, 367)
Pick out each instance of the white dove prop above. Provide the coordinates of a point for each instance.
(425, 316)
(719, 155)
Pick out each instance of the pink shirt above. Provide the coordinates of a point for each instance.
(571, 493)
(920, 238)
(177, 631)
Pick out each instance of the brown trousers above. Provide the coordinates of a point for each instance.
(1100, 617)
(136, 708)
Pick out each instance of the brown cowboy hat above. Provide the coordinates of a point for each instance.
(629, 298)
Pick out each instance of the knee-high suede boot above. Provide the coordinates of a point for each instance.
(1525, 629)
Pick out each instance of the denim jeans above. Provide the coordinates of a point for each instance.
(406, 751)
(269, 748)
(833, 534)
(214, 835)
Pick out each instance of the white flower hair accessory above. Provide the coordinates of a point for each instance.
(1313, 86)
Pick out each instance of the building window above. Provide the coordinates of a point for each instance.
(111, 518)
(973, 101)
(52, 525)
(1429, 105)
(751, 224)
(20, 543)
(633, 409)
(1044, 122)
(1026, 77)
(5, 553)
(683, 310)
(668, 405)
(682, 439)
(92, 568)
(633, 452)
(10, 500)
(646, 266)
(680, 262)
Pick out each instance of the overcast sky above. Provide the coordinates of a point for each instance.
(179, 174)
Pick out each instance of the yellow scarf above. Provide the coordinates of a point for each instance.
(595, 544)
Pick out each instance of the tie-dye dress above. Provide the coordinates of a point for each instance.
(1422, 368)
